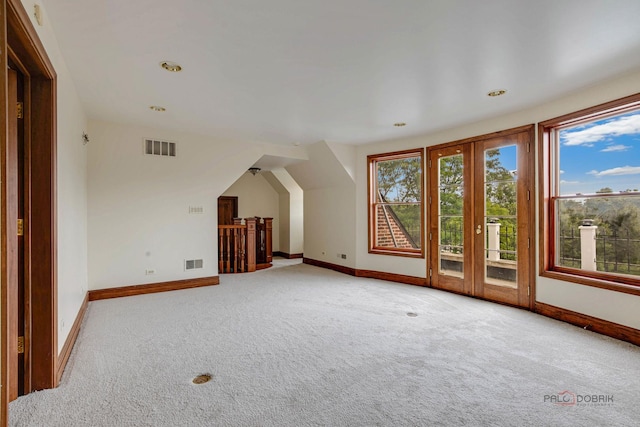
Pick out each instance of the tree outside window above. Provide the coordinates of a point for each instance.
(591, 182)
(395, 203)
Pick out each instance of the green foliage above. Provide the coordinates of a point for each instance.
(500, 197)
(451, 182)
(400, 181)
(618, 222)
(409, 216)
(501, 201)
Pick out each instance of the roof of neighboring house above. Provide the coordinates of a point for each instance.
(391, 232)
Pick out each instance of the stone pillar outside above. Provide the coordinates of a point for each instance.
(493, 240)
(588, 245)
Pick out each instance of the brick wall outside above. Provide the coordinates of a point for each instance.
(386, 226)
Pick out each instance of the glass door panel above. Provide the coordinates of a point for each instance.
(450, 225)
(451, 216)
(504, 216)
(500, 216)
(481, 217)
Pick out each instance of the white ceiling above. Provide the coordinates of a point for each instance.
(301, 71)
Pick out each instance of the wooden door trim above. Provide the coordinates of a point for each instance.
(527, 163)
(466, 286)
(522, 137)
(234, 199)
(4, 329)
(20, 40)
(9, 177)
(492, 135)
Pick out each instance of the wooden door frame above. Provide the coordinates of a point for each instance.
(460, 286)
(235, 204)
(527, 175)
(521, 137)
(20, 42)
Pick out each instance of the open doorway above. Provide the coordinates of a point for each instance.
(227, 209)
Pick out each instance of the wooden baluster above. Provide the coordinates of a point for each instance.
(235, 250)
(222, 245)
(228, 260)
(237, 246)
(242, 247)
(251, 244)
(243, 252)
(268, 234)
(220, 251)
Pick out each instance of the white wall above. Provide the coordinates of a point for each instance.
(291, 210)
(256, 197)
(284, 207)
(329, 225)
(296, 221)
(71, 185)
(613, 306)
(329, 204)
(139, 204)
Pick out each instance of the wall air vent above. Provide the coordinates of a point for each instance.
(155, 147)
(191, 264)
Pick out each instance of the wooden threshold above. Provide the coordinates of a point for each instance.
(151, 288)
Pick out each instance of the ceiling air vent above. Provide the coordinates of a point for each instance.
(156, 147)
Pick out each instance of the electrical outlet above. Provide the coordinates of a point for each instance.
(343, 256)
(149, 271)
(324, 253)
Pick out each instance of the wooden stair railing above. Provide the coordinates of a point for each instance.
(245, 247)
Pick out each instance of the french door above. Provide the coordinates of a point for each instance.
(481, 217)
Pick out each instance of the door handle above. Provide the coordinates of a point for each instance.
(479, 229)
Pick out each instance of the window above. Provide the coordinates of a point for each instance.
(395, 203)
(590, 194)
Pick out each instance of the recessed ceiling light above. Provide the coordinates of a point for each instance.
(157, 108)
(497, 92)
(399, 124)
(171, 66)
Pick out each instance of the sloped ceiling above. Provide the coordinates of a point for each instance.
(322, 170)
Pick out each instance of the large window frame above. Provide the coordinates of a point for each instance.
(374, 203)
(549, 194)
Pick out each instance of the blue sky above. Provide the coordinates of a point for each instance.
(605, 153)
(508, 156)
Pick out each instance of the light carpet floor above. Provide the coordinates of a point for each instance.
(304, 346)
